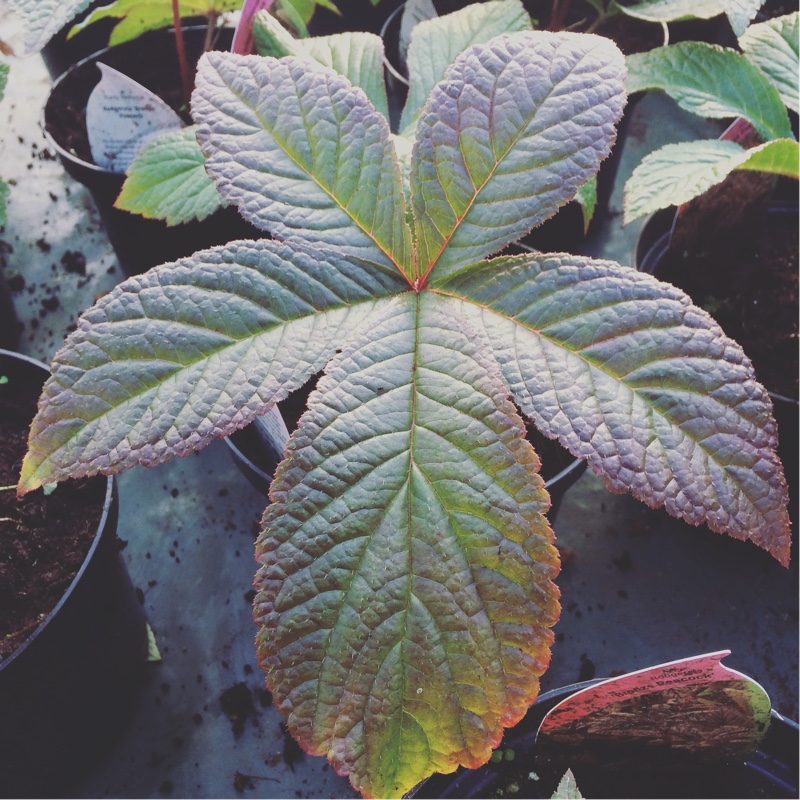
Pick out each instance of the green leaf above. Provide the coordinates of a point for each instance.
(43, 19)
(3, 78)
(3, 201)
(168, 181)
(414, 12)
(567, 788)
(672, 10)
(677, 173)
(508, 137)
(628, 374)
(712, 82)
(435, 44)
(740, 13)
(405, 589)
(139, 16)
(303, 154)
(773, 47)
(587, 198)
(191, 351)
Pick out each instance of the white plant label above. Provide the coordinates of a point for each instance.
(121, 117)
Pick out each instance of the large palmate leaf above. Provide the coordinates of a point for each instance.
(406, 588)
(435, 44)
(773, 47)
(713, 82)
(628, 374)
(507, 138)
(677, 173)
(168, 181)
(191, 351)
(303, 154)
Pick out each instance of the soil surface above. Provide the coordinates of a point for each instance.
(43, 539)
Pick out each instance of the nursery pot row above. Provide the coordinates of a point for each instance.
(151, 60)
(66, 690)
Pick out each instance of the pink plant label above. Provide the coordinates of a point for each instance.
(121, 117)
(693, 704)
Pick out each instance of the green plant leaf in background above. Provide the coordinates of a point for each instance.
(405, 589)
(357, 55)
(138, 16)
(677, 173)
(774, 47)
(712, 82)
(672, 10)
(168, 181)
(587, 198)
(435, 43)
(567, 788)
(740, 13)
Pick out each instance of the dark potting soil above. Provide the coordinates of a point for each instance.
(748, 281)
(44, 540)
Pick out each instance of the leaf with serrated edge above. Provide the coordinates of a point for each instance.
(677, 173)
(168, 181)
(191, 351)
(628, 374)
(740, 13)
(405, 593)
(672, 10)
(507, 137)
(436, 43)
(711, 81)
(43, 19)
(357, 55)
(773, 47)
(303, 154)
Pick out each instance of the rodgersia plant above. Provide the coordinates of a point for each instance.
(405, 587)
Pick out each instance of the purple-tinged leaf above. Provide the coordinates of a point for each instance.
(405, 593)
(304, 155)
(628, 374)
(507, 137)
(191, 351)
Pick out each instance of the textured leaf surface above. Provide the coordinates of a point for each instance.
(672, 10)
(168, 181)
(303, 154)
(43, 19)
(191, 351)
(740, 13)
(406, 589)
(436, 43)
(507, 138)
(773, 47)
(138, 16)
(713, 82)
(677, 173)
(627, 373)
(357, 55)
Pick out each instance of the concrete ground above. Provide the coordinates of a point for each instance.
(638, 587)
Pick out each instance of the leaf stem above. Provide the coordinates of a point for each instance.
(181, 49)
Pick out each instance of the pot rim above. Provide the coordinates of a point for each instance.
(383, 33)
(62, 151)
(110, 494)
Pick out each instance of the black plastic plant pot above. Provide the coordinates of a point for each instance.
(771, 772)
(66, 691)
(151, 60)
(257, 450)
